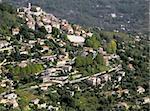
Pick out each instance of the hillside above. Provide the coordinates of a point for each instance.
(48, 64)
(131, 15)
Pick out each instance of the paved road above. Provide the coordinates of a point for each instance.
(3, 62)
(8, 48)
(80, 79)
(3, 49)
(98, 74)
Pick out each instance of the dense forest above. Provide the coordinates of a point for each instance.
(131, 15)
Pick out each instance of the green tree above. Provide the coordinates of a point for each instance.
(43, 30)
(89, 60)
(28, 69)
(80, 61)
(8, 8)
(92, 42)
(112, 47)
(100, 59)
(55, 31)
(17, 71)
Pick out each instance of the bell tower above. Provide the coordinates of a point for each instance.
(29, 6)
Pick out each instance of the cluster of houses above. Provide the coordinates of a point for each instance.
(36, 102)
(35, 18)
(10, 99)
(99, 80)
(4, 44)
(59, 73)
(102, 79)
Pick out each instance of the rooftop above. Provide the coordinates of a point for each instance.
(76, 39)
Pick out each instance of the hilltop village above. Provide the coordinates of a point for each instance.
(46, 52)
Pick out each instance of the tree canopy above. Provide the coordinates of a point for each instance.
(93, 42)
(112, 47)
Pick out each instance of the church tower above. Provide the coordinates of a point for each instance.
(29, 6)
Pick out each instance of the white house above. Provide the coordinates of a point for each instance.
(3, 43)
(94, 81)
(76, 39)
(146, 100)
(11, 96)
(15, 31)
(48, 28)
(140, 90)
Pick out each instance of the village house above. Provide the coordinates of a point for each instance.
(67, 68)
(137, 38)
(44, 48)
(89, 34)
(67, 28)
(77, 27)
(35, 10)
(10, 99)
(23, 48)
(38, 19)
(3, 43)
(49, 71)
(32, 42)
(51, 108)
(94, 81)
(64, 22)
(45, 78)
(123, 104)
(56, 25)
(24, 52)
(49, 58)
(49, 36)
(140, 90)
(76, 39)
(61, 63)
(61, 78)
(53, 80)
(53, 18)
(40, 106)
(48, 28)
(6, 82)
(122, 73)
(23, 64)
(13, 102)
(41, 41)
(46, 19)
(15, 31)
(77, 33)
(76, 76)
(106, 59)
(31, 24)
(70, 30)
(35, 101)
(146, 100)
(21, 11)
(62, 44)
(44, 86)
(121, 91)
(101, 51)
(130, 66)
(39, 24)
